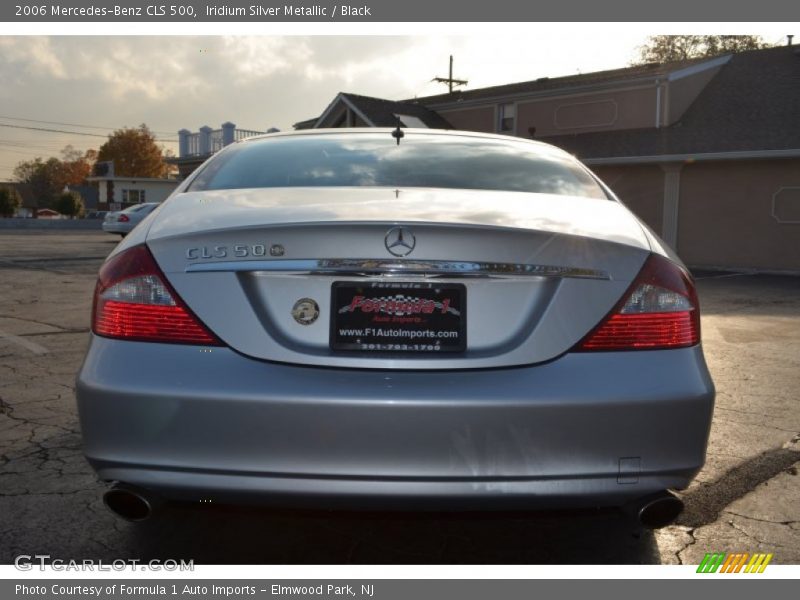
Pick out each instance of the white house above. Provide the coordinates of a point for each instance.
(116, 193)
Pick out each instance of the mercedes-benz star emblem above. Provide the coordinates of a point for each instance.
(400, 241)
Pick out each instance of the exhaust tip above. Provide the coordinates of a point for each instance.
(659, 510)
(129, 503)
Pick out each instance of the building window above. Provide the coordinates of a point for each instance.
(506, 115)
(132, 196)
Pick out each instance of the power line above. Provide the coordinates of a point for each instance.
(44, 146)
(54, 147)
(44, 155)
(407, 94)
(73, 124)
(25, 152)
(52, 130)
(68, 132)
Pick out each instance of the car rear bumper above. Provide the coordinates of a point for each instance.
(116, 227)
(586, 429)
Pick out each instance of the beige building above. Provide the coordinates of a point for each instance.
(118, 193)
(706, 151)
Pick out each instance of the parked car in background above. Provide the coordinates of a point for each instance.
(96, 214)
(123, 222)
(48, 213)
(359, 317)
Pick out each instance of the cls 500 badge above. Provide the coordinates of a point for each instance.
(235, 251)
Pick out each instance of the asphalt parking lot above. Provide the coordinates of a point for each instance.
(745, 499)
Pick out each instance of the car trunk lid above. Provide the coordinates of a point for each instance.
(535, 272)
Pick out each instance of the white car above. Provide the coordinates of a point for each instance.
(122, 222)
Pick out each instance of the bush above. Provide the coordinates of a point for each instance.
(9, 202)
(70, 204)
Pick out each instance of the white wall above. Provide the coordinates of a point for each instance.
(154, 191)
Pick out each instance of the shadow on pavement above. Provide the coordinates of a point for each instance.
(747, 294)
(245, 535)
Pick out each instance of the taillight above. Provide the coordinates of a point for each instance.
(133, 301)
(123, 218)
(659, 310)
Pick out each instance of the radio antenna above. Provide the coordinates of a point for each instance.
(398, 133)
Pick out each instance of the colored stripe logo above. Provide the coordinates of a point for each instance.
(737, 562)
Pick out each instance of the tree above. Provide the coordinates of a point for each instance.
(135, 153)
(43, 176)
(48, 177)
(667, 48)
(9, 202)
(75, 165)
(70, 204)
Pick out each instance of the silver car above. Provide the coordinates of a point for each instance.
(123, 221)
(395, 318)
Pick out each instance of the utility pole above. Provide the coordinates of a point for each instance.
(449, 80)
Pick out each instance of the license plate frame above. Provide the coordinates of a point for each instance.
(398, 317)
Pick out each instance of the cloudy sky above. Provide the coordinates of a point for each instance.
(94, 84)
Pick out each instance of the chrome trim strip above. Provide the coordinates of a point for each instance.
(357, 267)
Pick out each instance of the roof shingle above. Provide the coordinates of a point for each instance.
(752, 104)
(649, 70)
(382, 112)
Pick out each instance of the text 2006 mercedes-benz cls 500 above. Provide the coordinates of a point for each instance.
(395, 318)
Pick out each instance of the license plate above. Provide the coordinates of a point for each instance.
(400, 317)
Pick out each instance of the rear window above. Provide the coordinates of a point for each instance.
(420, 160)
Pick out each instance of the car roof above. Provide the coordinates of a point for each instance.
(407, 131)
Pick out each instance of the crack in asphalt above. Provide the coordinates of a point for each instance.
(52, 259)
(747, 412)
(32, 347)
(753, 425)
(705, 503)
(708, 503)
(752, 536)
(32, 267)
(52, 449)
(60, 332)
(754, 394)
(27, 492)
(29, 320)
(8, 410)
(690, 532)
(749, 518)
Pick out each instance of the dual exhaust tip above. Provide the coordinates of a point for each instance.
(657, 510)
(137, 504)
(130, 503)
